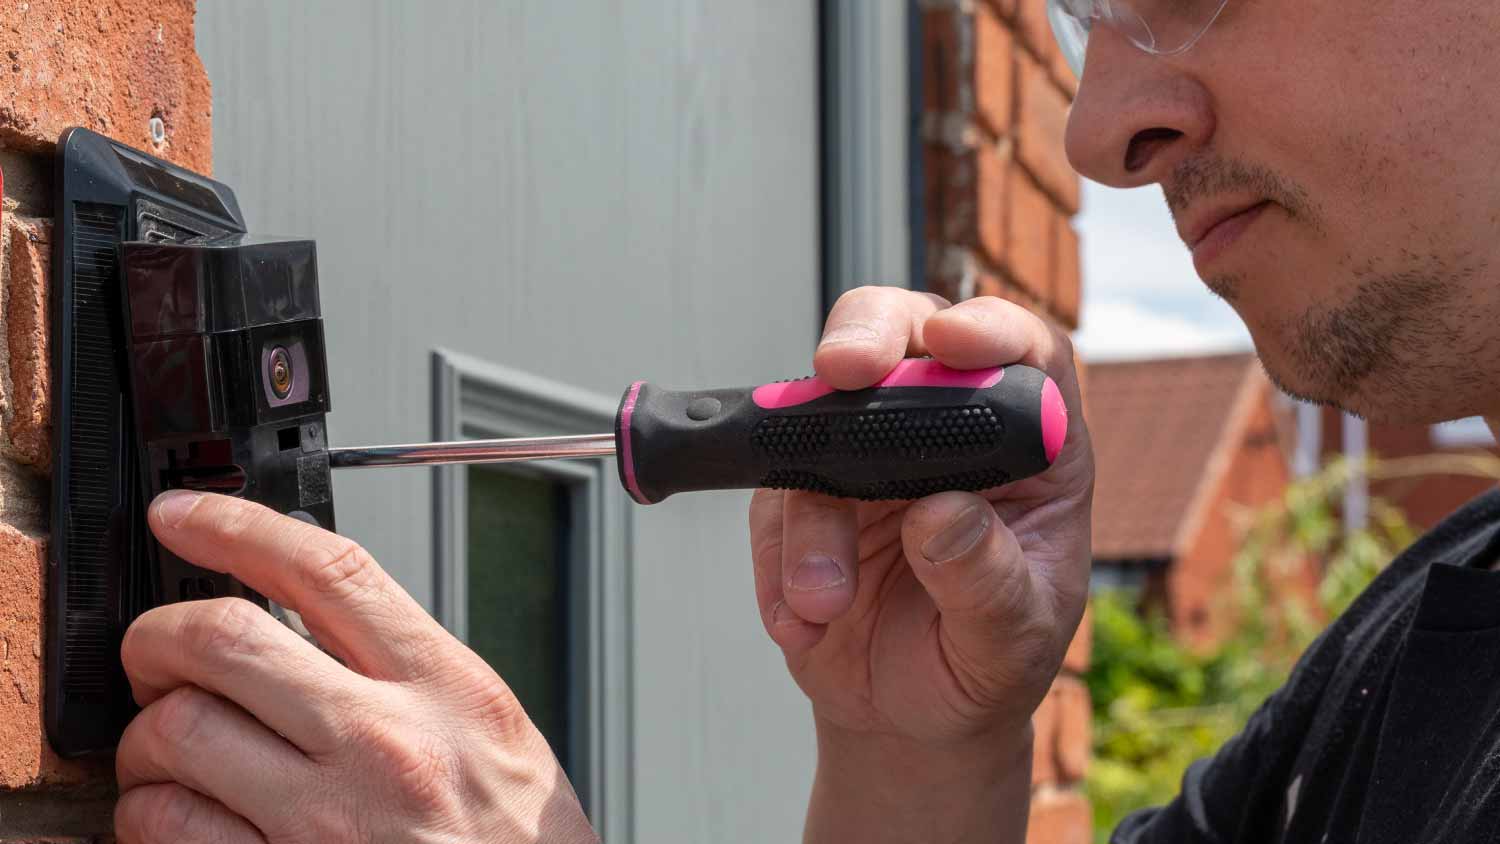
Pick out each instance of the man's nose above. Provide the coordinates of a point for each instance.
(1136, 115)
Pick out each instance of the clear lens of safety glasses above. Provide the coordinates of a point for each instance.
(1159, 27)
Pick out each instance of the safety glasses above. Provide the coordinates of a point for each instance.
(1158, 27)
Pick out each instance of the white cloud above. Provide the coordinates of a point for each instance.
(1141, 295)
(1121, 330)
(1130, 245)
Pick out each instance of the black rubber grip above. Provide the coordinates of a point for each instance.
(931, 430)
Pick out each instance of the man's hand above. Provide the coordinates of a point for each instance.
(927, 632)
(251, 734)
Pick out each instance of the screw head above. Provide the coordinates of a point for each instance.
(281, 372)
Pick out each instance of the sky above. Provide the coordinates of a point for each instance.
(1141, 296)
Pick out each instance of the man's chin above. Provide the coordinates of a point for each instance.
(1376, 400)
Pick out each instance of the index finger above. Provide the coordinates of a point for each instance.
(869, 330)
(988, 331)
(349, 603)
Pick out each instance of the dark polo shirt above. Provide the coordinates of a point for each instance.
(1389, 728)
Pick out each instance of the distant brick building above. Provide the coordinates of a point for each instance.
(1181, 444)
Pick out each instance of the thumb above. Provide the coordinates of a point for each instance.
(993, 613)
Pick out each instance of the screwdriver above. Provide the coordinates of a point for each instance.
(924, 428)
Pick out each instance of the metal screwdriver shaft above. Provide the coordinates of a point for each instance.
(473, 451)
(923, 429)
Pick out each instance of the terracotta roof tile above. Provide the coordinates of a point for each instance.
(1155, 425)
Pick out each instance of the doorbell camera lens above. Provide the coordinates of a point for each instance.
(281, 372)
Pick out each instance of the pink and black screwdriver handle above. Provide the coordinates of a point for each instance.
(925, 428)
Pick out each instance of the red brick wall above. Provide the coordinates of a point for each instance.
(1000, 194)
(112, 67)
(999, 201)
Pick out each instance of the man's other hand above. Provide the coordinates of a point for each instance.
(926, 632)
(249, 733)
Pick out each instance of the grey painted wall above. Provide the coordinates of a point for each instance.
(593, 191)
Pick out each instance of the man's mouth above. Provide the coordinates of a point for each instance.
(1217, 230)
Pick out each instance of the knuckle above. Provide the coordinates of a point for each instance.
(473, 687)
(498, 705)
(418, 766)
(870, 295)
(854, 296)
(338, 569)
(171, 816)
(132, 648)
(223, 628)
(174, 721)
(940, 302)
(328, 824)
(153, 813)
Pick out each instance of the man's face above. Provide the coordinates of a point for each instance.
(1365, 140)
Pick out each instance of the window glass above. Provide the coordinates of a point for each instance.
(1106, 575)
(517, 590)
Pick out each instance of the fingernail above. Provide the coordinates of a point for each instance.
(959, 536)
(174, 505)
(815, 572)
(782, 614)
(851, 332)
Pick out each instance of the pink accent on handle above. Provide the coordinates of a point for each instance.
(1054, 420)
(627, 409)
(913, 372)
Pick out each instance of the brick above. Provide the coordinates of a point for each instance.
(950, 194)
(994, 70)
(1004, 8)
(996, 283)
(1036, 33)
(1076, 660)
(992, 176)
(992, 284)
(1040, 129)
(110, 67)
(1074, 728)
(25, 758)
(1062, 75)
(942, 58)
(1067, 276)
(1031, 21)
(1044, 743)
(952, 271)
(1059, 817)
(28, 383)
(1030, 236)
(953, 213)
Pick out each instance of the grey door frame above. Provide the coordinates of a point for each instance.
(871, 186)
(475, 399)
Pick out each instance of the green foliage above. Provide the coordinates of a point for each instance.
(1159, 705)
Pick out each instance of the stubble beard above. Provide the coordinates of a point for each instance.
(1398, 349)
